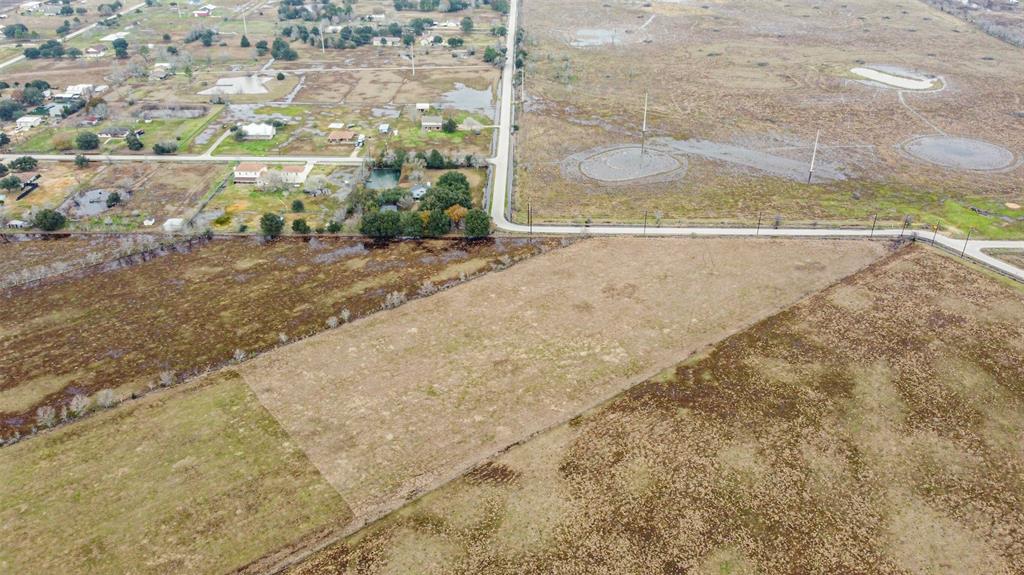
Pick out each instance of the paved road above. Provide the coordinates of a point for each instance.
(502, 180)
(78, 32)
(200, 158)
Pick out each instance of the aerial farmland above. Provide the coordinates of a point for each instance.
(511, 286)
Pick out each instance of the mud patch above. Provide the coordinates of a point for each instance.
(959, 153)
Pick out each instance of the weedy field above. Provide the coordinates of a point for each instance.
(401, 402)
(198, 479)
(157, 317)
(874, 428)
(919, 114)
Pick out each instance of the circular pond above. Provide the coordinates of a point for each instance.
(959, 153)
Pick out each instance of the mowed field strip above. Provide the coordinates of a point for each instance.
(874, 427)
(401, 402)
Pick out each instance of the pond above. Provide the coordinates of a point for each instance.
(383, 179)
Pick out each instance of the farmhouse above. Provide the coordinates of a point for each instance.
(76, 91)
(257, 131)
(96, 51)
(342, 137)
(28, 122)
(384, 129)
(19, 224)
(115, 132)
(56, 110)
(422, 107)
(387, 41)
(249, 172)
(295, 175)
(432, 123)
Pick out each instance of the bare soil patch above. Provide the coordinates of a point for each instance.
(877, 437)
(396, 403)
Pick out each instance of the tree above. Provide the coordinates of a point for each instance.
(298, 207)
(412, 225)
(381, 225)
(271, 225)
(478, 224)
(23, 164)
(435, 161)
(466, 24)
(437, 224)
(333, 227)
(10, 183)
(455, 42)
(280, 50)
(280, 76)
(87, 141)
(4, 140)
(442, 198)
(456, 213)
(10, 110)
(455, 180)
(16, 31)
(133, 141)
(450, 126)
(49, 220)
(262, 48)
(81, 161)
(113, 200)
(121, 48)
(32, 96)
(490, 54)
(300, 227)
(3, 170)
(245, 42)
(167, 37)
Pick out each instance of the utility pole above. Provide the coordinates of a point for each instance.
(323, 31)
(814, 156)
(245, 26)
(412, 52)
(758, 232)
(965, 243)
(935, 234)
(643, 131)
(873, 220)
(645, 222)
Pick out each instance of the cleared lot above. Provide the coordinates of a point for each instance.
(403, 401)
(874, 427)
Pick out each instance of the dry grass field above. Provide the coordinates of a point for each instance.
(875, 427)
(1015, 257)
(738, 91)
(24, 259)
(183, 309)
(400, 402)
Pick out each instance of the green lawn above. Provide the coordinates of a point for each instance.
(231, 146)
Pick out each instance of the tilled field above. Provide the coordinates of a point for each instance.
(873, 428)
(186, 308)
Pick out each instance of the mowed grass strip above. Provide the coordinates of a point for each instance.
(397, 403)
(874, 427)
(194, 480)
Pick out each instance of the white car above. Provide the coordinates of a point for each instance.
(419, 191)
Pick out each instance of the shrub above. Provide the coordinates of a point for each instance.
(133, 141)
(298, 207)
(10, 183)
(113, 199)
(164, 148)
(245, 42)
(81, 161)
(106, 398)
(412, 225)
(46, 416)
(79, 405)
(166, 378)
(393, 300)
(280, 76)
(23, 164)
(333, 227)
(345, 314)
(332, 322)
(239, 355)
(271, 225)
(300, 227)
(478, 224)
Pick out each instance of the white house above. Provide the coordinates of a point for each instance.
(295, 175)
(384, 128)
(18, 224)
(96, 51)
(28, 122)
(255, 131)
(75, 91)
(204, 11)
(422, 107)
(249, 172)
(432, 123)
